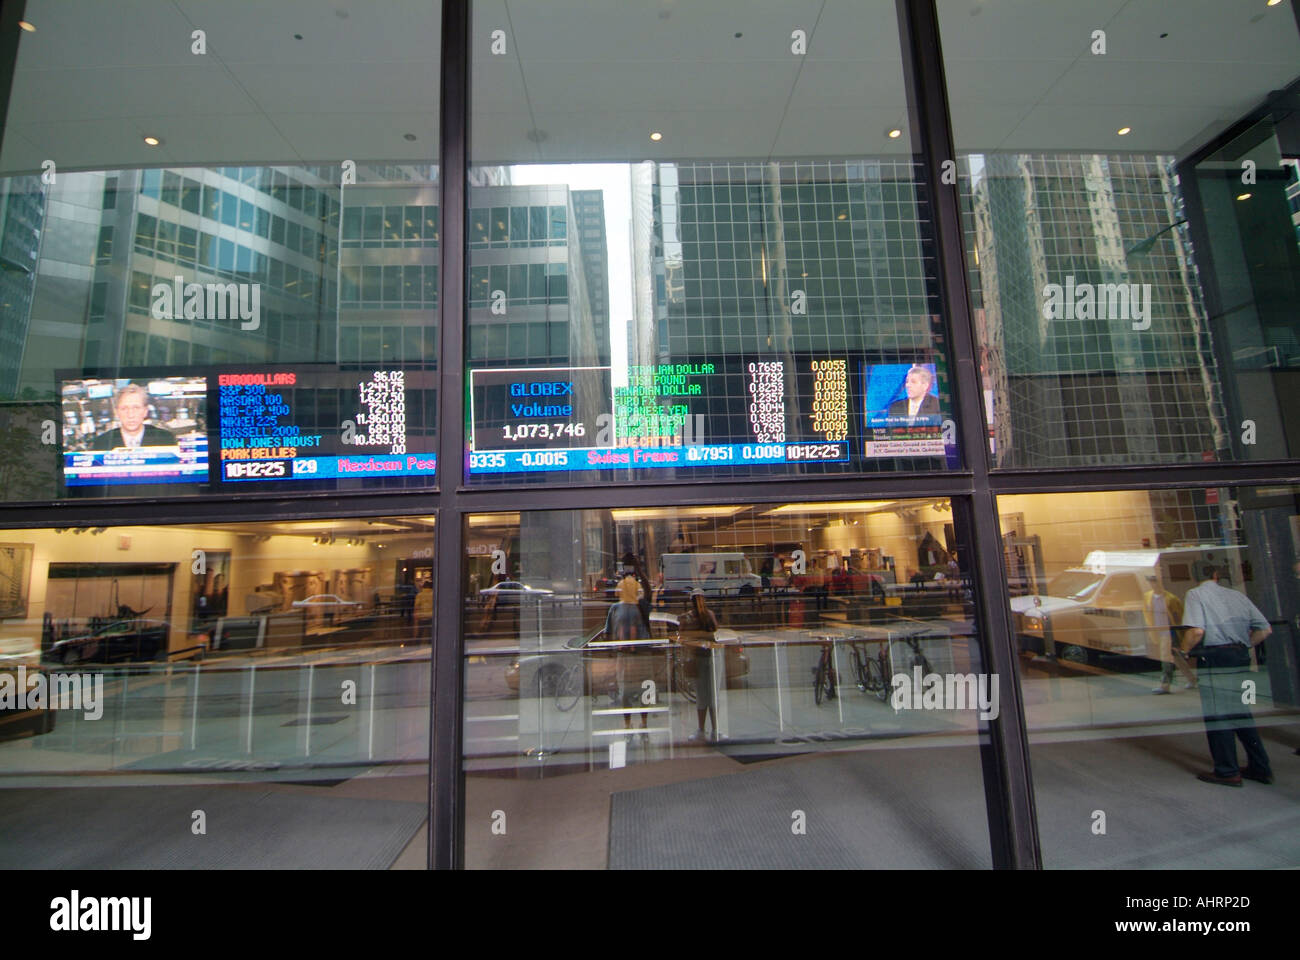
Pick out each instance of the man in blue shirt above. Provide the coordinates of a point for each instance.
(1222, 628)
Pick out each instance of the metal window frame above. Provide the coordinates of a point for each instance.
(973, 490)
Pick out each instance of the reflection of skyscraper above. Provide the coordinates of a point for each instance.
(1091, 388)
(589, 233)
(527, 290)
(22, 212)
(1293, 192)
(107, 238)
(653, 243)
(796, 258)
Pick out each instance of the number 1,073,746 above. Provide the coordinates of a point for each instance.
(543, 431)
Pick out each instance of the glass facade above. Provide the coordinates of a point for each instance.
(1157, 635)
(752, 312)
(160, 669)
(859, 434)
(724, 667)
(1129, 300)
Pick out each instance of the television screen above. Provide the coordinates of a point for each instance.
(901, 410)
(142, 430)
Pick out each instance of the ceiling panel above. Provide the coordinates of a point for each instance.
(360, 136)
(670, 31)
(987, 126)
(844, 85)
(344, 88)
(142, 91)
(1092, 129)
(1001, 82)
(744, 88)
(97, 76)
(1019, 29)
(844, 133)
(262, 31)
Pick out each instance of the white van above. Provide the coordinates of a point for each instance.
(1099, 606)
(717, 574)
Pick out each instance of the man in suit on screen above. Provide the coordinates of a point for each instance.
(131, 405)
(919, 402)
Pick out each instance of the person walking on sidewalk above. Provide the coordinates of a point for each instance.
(1164, 614)
(698, 629)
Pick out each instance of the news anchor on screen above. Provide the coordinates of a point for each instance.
(131, 405)
(919, 402)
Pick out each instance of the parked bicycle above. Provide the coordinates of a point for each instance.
(824, 679)
(872, 671)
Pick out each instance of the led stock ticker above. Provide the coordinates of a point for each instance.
(732, 412)
(263, 434)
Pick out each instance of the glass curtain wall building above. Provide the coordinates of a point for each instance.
(815, 434)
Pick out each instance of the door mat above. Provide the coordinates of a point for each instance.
(107, 828)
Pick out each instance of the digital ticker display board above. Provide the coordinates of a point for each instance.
(245, 426)
(733, 411)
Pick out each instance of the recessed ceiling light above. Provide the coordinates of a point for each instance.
(656, 135)
(297, 36)
(842, 216)
(1124, 131)
(895, 134)
(1244, 196)
(408, 136)
(153, 141)
(1274, 3)
(27, 26)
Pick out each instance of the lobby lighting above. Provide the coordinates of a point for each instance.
(153, 141)
(27, 26)
(895, 134)
(682, 514)
(1273, 3)
(855, 506)
(656, 136)
(1244, 196)
(1125, 131)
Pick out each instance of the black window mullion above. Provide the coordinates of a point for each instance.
(1004, 750)
(446, 786)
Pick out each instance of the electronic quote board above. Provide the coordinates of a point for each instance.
(313, 424)
(238, 425)
(735, 411)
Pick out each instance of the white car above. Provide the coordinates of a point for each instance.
(513, 588)
(1084, 613)
(326, 601)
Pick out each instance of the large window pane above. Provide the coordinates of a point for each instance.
(632, 671)
(1135, 301)
(223, 278)
(1109, 591)
(745, 281)
(210, 659)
